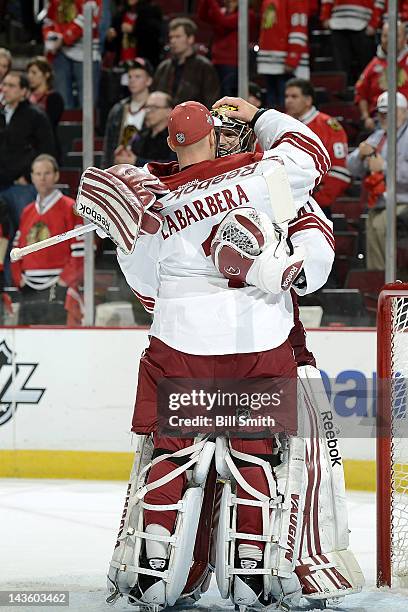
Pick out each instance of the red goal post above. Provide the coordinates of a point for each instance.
(392, 436)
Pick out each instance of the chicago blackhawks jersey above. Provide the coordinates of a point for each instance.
(67, 18)
(381, 9)
(42, 269)
(195, 309)
(284, 38)
(348, 14)
(373, 80)
(331, 133)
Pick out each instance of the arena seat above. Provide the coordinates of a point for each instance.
(334, 82)
(70, 177)
(343, 307)
(98, 144)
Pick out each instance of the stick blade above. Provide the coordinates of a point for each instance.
(280, 193)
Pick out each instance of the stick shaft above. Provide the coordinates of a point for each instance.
(43, 244)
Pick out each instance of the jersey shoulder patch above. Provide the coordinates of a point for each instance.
(334, 124)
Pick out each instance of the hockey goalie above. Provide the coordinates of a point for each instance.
(216, 247)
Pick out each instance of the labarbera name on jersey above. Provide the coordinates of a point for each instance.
(209, 206)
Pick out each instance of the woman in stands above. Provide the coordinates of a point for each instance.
(40, 77)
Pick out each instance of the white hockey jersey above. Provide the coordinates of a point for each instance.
(195, 309)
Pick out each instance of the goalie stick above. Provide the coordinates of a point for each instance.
(17, 253)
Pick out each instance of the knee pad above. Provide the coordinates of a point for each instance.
(127, 565)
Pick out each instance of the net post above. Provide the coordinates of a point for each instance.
(392, 334)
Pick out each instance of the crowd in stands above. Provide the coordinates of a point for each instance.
(321, 61)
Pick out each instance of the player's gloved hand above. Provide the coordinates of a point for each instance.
(247, 248)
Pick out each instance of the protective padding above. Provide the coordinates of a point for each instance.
(326, 524)
(330, 576)
(225, 545)
(120, 581)
(125, 565)
(326, 569)
(181, 554)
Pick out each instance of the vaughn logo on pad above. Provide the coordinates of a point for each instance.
(14, 377)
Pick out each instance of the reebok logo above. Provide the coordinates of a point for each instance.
(331, 440)
(91, 213)
(290, 274)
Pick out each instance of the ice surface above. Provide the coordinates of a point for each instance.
(59, 534)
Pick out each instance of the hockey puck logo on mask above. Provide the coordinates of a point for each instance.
(180, 137)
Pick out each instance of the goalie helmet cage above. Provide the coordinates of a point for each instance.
(392, 436)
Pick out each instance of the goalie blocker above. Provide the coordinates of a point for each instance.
(122, 202)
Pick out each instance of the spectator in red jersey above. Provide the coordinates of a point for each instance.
(373, 80)
(224, 47)
(40, 78)
(5, 67)
(126, 118)
(136, 30)
(381, 8)
(63, 39)
(299, 103)
(186, 75)
(352, 26)
(283, 46)
(47, 279)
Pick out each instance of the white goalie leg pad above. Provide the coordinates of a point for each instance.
(326, 568)
(119, 580)
(284, 548)
(125, 569)
(227, 525)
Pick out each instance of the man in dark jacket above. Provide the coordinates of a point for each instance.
(186, 75)
(25, 132)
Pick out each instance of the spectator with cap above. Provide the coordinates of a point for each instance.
(373, 80)
(151, 143)
(300, 104)
(126, 117)
(369, 162)
(136, 30)
(186, 75)
(224, 46)
(5, 67)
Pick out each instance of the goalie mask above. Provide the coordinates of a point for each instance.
(233, 135)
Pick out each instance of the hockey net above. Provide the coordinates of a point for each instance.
(392, 436)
